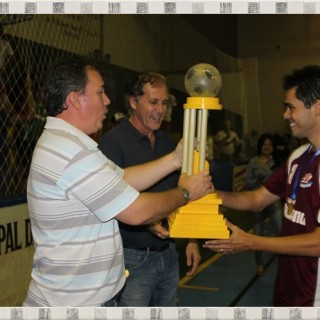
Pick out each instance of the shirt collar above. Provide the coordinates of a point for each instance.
(54, 123)
(135, 131)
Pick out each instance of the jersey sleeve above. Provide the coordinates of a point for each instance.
(277, 182)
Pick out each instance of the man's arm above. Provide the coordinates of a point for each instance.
(307, 244)
(193, 256)
(255, 200)
(152, 206)
(143, 176)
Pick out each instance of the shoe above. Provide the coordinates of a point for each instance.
(260, 270)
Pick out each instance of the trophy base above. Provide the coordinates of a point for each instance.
(200, 219)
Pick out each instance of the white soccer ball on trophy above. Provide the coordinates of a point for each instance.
(203, 80)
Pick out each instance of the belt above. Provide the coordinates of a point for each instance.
(159, 248)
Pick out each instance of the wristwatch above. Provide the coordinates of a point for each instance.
(186, 193)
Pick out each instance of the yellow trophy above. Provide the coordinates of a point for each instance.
(199, 219)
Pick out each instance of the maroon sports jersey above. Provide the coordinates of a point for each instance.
(296, 282)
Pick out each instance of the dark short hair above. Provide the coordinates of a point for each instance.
(275, 153)
(155, 79)
(262, 139)
(307, 84)
(68, 74)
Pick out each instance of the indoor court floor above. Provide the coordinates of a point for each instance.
(227, 280)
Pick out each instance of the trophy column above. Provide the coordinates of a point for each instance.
(201, 218)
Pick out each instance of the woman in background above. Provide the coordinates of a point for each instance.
(258, 171)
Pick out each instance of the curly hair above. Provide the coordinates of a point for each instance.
(155, 79)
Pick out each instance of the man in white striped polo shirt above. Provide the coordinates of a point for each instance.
(76, 195)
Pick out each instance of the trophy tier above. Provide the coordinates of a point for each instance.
(199, 219)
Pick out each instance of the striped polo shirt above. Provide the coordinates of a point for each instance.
(74, 193)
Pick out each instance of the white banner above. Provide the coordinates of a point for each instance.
(16, 254)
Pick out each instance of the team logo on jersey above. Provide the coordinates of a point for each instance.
(306, 181)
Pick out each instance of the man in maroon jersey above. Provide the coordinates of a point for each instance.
(297, 183)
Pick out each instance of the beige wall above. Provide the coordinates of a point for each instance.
(277, 43)
(138, 42)
(168, 44)
(281, 43)
(163, 43)
(76, 33)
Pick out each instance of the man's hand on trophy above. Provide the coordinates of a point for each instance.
(177, 154)
(198, 185)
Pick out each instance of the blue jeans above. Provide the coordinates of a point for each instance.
(153, 278)
(112, 302)
(275, 213)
